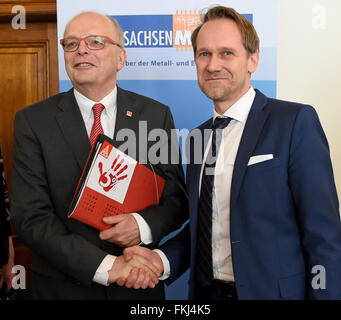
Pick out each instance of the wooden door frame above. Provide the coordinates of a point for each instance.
(41, 18)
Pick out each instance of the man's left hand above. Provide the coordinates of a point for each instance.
(124, 231)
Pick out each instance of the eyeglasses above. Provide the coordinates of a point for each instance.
(92, 42)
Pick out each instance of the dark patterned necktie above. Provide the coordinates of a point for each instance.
(204, 265)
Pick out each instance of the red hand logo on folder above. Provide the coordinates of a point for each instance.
(110, 178)
(113, 183)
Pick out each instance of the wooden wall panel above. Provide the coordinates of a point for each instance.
(36, 10)
(28, 74)
(22, 82)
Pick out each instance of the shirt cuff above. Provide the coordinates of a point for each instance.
(102, 273)
(145, 231)
(166, 265)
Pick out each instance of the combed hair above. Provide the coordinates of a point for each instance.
(249, 33)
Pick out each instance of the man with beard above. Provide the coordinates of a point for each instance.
(264, 213)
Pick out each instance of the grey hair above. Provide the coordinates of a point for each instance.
(118, 28)
(119, 31)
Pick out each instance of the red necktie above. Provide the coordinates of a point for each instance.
(96, 127)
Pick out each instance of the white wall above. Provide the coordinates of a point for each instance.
(309, 64)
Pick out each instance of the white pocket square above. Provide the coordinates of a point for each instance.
(260, 158)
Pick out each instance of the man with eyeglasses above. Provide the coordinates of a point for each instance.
(52, 141)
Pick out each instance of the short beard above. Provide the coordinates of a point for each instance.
(227, 94)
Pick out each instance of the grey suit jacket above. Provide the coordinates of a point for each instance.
(50, 149)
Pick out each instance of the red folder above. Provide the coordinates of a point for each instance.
(113, 183)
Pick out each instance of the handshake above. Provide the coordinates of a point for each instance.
(138, 267)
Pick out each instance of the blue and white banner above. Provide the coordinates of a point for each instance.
(159, 55)
(160, 60)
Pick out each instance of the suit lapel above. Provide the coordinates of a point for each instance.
(193, 176)
(205, 139)
(72, 125)
(252, 130)
(73, 128)
(127, 116)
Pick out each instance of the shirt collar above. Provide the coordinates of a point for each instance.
(85, 104)
(240, 109)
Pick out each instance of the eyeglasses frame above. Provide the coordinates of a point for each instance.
(80, 39)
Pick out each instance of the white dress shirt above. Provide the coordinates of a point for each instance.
(231, 136)
(108, 120)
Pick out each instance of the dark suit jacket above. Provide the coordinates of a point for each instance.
(5, 227)
(51, 147)
(284, 212)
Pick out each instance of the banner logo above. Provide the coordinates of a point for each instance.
(161, 31)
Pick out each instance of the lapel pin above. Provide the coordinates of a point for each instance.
(129, 113)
